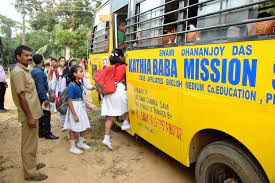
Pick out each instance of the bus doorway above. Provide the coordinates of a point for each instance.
(120, 25)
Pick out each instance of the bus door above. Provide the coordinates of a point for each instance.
(120, 24)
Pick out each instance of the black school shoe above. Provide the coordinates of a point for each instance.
(51, 137)
(2, 110)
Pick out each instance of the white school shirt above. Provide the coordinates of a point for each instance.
(58, 83)
(53, 82)
(3, 78)
(63, 84)
(87, 84)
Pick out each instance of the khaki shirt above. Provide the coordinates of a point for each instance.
(22, 81)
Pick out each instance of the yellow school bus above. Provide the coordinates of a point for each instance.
(201, 83)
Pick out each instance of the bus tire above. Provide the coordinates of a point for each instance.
(226, 162)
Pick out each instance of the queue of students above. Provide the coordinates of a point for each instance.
(35, 88)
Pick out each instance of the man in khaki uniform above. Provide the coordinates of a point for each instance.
(29, 110)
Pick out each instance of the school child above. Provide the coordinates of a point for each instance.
(76, 120)
(116, 104)
(47, 70)
(54, 76)
(60, 70)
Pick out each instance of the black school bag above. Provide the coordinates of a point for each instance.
(62, 102)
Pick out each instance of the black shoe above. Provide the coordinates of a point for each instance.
(4, 110)
(41, 136)
(51, 137)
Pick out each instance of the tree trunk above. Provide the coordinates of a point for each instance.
(68, 52)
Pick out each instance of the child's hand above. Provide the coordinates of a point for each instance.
(89, 107)
(76, 119)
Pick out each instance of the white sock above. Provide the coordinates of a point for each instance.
(72, 143)
(107, 137)
(81, 139)
(125, 122)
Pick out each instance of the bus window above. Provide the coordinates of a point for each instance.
(170, 18)
(226, 19)
(265, 27)
(100, 38)
(230, 17)
(146, 21)
(155, 23)
(191, 24)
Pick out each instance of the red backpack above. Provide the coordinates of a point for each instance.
(105, 80)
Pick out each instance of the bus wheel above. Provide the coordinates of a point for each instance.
(225, 162)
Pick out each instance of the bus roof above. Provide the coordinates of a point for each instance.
(104, 3)
(102, 13)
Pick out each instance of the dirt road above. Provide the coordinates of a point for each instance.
(132, 160)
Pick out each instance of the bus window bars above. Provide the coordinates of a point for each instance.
(206, 28)
(163, 5)
(247, 6)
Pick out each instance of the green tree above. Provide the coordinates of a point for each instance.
(66, 38)
(69, 22)
(6, 28)
(34, 39)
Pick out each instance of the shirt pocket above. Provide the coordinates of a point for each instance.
(30, 86)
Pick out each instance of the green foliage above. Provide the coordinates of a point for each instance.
(75, 13)
(68, 21)
(64, 37)
(34, 39)
(6, 27)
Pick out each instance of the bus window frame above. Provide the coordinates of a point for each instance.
(107, 28)
(115, 25)
(182, 21)
(160, 18)
(115, 30)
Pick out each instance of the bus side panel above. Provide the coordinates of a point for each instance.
(232, 92)
(228, 87)
(93, 67)
(153, 105)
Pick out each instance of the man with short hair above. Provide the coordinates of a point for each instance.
(25, 98)
(42, 88)
(3, 87)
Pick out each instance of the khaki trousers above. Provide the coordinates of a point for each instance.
(29, 145)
